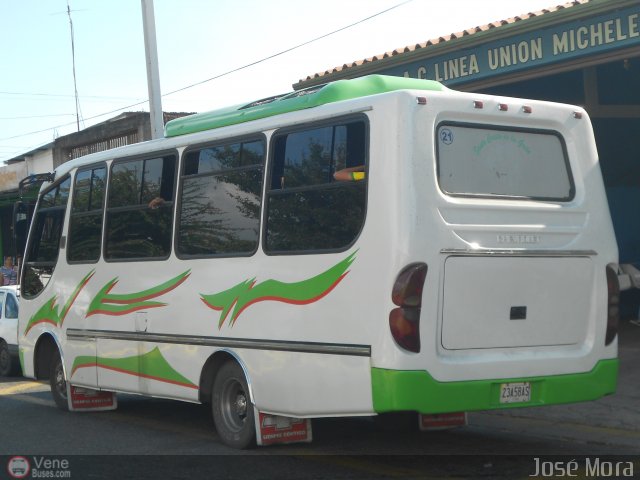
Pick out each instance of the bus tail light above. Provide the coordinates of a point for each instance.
(404, 321)
(405, 327)
(613, 305)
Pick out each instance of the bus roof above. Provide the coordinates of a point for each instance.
(291, 102)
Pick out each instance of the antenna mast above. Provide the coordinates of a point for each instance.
(73, 59)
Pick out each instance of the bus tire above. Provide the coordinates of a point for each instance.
(58, 383)
(7, 364)
(232, 408)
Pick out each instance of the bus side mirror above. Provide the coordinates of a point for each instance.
(20, 225)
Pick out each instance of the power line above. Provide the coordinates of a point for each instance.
(289, 49)
(38, 116)
(225, 73)
(36, 94)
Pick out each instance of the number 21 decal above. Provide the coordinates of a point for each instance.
(446, 136)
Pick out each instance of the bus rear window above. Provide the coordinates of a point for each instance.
(485, 161)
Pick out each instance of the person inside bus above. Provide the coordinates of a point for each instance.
(157, 202)
(8, 273)
(352, 174)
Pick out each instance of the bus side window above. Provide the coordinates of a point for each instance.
(85, 227)
(307, 209)
(221, 197)
(42, 252)
(134, 229)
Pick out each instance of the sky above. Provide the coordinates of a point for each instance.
(238, 44)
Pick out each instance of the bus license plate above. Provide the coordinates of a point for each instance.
(515, 392)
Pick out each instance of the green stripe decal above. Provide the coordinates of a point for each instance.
(397, 390)
(104, 302)
(48, 313)
(108, 303)
(238, 298)
(151, 365)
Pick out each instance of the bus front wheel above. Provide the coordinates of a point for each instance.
(58, 382)
(232, 408)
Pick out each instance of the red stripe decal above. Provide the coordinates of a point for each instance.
(290, 301)
(135, 374)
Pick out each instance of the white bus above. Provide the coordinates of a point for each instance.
(373, 245)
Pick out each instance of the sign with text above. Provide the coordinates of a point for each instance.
(442, 421)
(611, 31)
(272, 429)
(88, 400)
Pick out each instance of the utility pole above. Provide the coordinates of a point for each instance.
(153, 75)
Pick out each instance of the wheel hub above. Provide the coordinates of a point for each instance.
(61, 385)
(241, 405)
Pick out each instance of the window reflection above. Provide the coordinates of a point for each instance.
(42, 253)
(221, 195)
(306, 208)
(85, 229)
(140, 209)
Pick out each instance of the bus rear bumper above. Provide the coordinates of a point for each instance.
(416, 390)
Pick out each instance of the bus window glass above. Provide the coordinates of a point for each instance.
(42, 253)
(140, 209)
(49, 198)
(126, 182)
(85, 228)
(98, 183)
(307, 157)
(220, 204)
(513, 163)
(213, 159)
(157, 179)
(307, 210)
(252, 153)
(82, 192)
(62, 195)
(340, 149)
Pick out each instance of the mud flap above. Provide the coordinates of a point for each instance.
(274, 429)
(88, 400)
(442, 421)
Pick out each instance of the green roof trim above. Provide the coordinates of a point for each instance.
(299, 100)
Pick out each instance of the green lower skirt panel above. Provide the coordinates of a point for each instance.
(400, 390)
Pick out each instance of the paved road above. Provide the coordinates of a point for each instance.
(180, 438)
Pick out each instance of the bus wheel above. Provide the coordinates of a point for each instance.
(232, 408)
(58, 382)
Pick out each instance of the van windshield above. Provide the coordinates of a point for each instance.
(476, 160)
